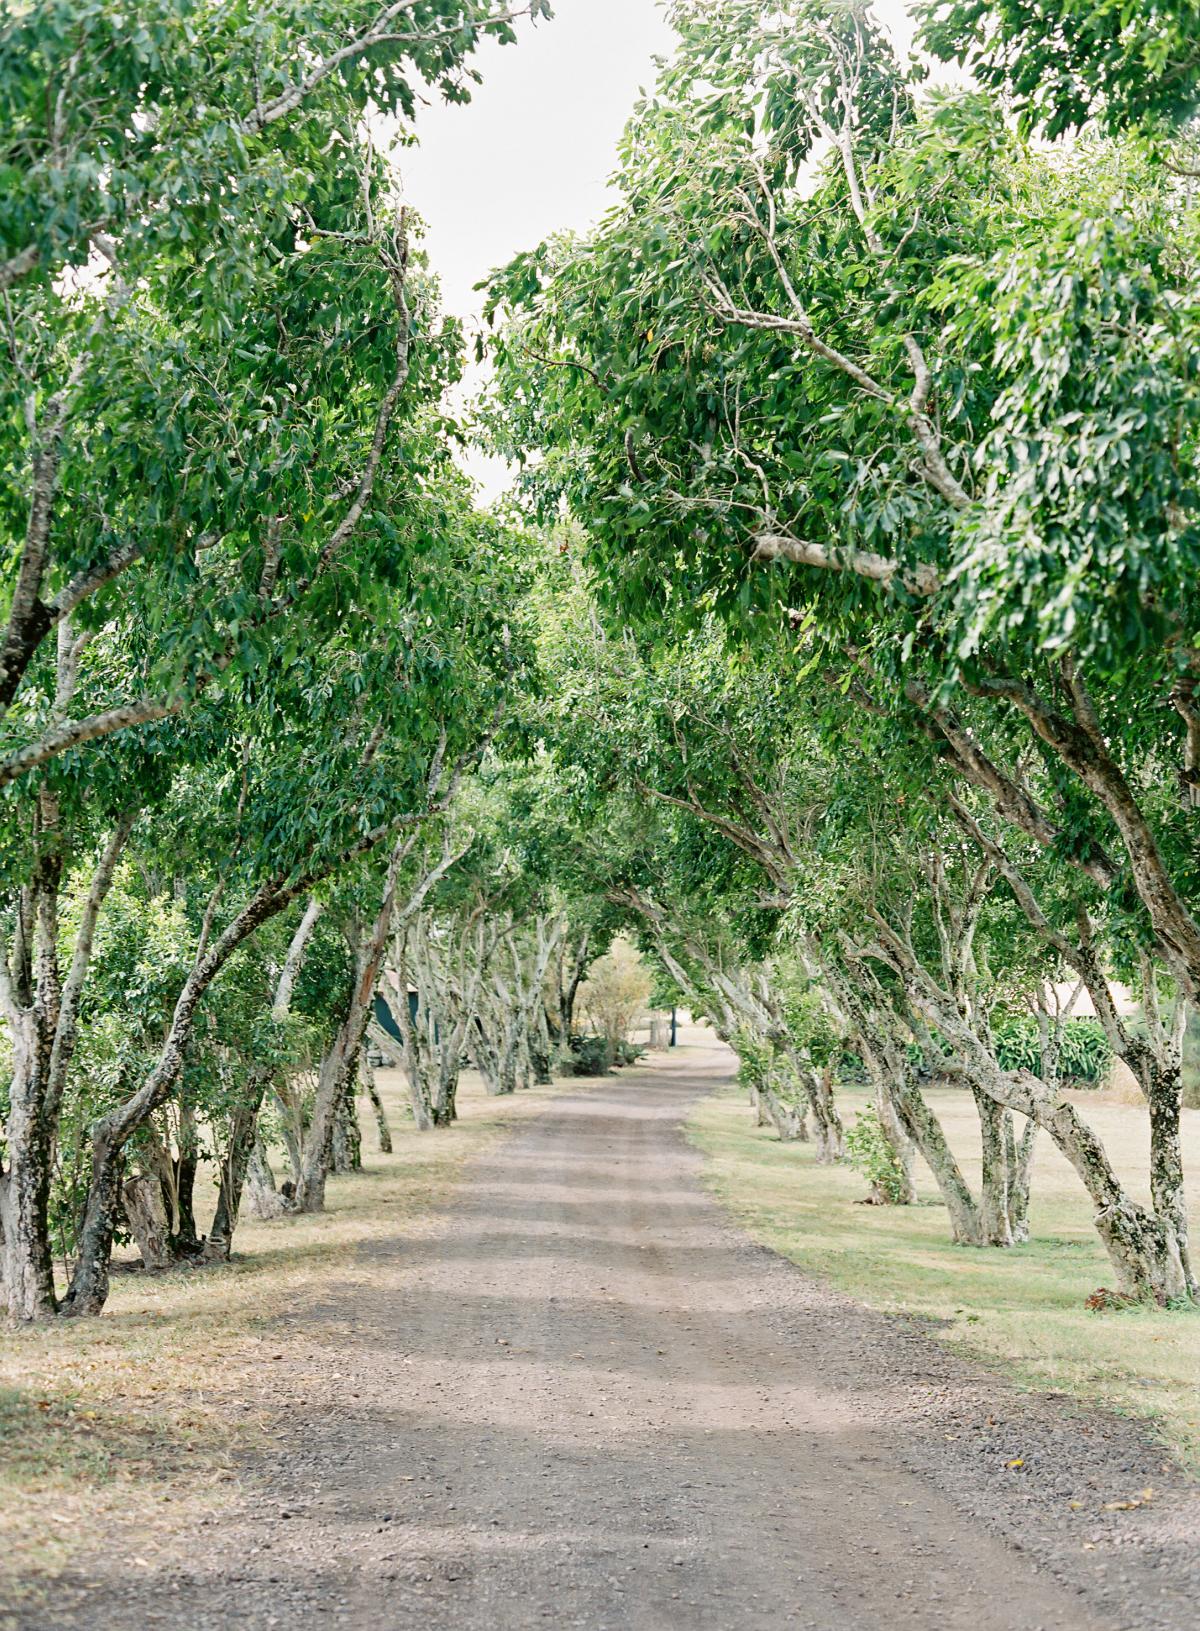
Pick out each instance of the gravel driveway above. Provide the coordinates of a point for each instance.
(582, 1398)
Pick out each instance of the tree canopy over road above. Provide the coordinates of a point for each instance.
(837, 646)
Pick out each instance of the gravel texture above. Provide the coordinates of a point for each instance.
(583, 1399)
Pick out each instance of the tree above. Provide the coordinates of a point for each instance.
(349, 745)
(222, 460)
(1063, 64)
(615, 994)
(866, 364)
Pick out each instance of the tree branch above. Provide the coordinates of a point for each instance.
(921, 579)
(378, 32)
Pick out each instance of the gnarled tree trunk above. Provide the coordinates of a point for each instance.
(42, 1012)
(149, 1223)
(818, 1089)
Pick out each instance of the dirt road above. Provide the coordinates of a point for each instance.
(582, 1399)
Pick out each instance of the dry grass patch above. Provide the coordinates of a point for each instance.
(1022, 1307)
(139, 1418)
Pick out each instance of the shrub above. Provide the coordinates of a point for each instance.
(870, 1152)
(590, 1056)
(1086, 1057)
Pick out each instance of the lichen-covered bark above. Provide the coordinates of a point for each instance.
(994, 1186)
(42, 1013)
(366, 1077)
(1019, 1159)
(263, 1197)
(786, 1118)
(966, 1221)
(28, 1271)
(1140, 1248)
(346, 1154)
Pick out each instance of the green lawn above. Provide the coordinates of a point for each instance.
(1024, 1307)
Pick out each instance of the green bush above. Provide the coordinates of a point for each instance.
(590, 1056)
(1086, 1056)
(870, 1152)
(755, 1060)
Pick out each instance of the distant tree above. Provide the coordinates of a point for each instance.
(614, 995)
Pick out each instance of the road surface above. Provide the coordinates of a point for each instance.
(583, 1399)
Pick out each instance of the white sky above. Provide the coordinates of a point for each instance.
(532, 152)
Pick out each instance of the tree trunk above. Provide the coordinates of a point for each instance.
(185, 1240)
(888, 1071)
(346, 1154)
(33, 1113)
(89, 1284)
(897, 1136)
(28, 1266)
(445, 1105)
(265, 1200)
(149, 1223)
(495, 1060)
(966, 1223)
(825, 1110)
(340, 1063)
(541, 1054)
(337, 1071)
(418, 1045)
(1166, 1168)
(818, 1089)
(509, 1062)
(291, 1130)
(88, 1291)
(424, 1119)
(42, 1016)
(240, 1144)
(1019, 1156)
(1139, 1246)
(366, 1076)
(570, 991)
(787, 1119)
(1147, 1263)
(994, 1211)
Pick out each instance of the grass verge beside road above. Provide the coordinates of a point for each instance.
(1024, 1307)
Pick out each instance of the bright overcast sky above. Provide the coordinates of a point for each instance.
(532, 152)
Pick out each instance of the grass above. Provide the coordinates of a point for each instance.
(1024, 1307)
(138, 1417)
